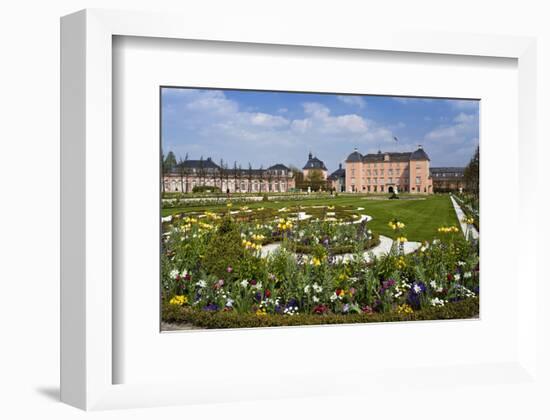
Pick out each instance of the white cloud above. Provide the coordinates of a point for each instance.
(454, 141)
(206, 122)
(352, 100)
(268, 120)
(213, 101)
(464, 118)
(462, 104)
(319, 120)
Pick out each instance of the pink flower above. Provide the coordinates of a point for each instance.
(229, 269)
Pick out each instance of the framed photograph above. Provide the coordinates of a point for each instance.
(259, 231)
(247, 210)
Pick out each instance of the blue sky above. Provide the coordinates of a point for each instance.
(265, 128)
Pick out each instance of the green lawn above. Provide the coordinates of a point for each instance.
(422, 217)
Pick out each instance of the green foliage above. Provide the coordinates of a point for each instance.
(169, 162)
(224, 249)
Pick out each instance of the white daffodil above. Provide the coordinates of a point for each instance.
(417, 288)
(467, 274)
(457, 277)
(244, 283)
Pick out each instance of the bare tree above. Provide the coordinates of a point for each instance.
(201, 171)
(240, 176)
(269, 179)
(261, 177)
(235, 175)
(221, 173)
(249, 177)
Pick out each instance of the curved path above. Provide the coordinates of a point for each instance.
(382, 248)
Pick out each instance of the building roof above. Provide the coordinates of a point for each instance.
(315, 163)
(419, 154)
(278, 167)
(207, 163)
(355, 157)
(338, 173)
(394, 157)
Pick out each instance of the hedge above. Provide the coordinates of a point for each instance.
(468, 308)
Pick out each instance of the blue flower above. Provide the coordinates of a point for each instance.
(211, 307)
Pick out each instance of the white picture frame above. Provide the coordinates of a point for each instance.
(86, 192)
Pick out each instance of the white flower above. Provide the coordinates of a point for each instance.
(457, 277)
(461, 263)
(317, 288)
(333, 297)
(229, 303)
(433, 284)
(307, 288)
(417, 288)
(437, 302)
(467, 274)
(244, 283)
(174, 274)
(201, 283)
(315, 299)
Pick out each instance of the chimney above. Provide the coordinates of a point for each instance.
(310, 155)
(340, 166)
(420, 146)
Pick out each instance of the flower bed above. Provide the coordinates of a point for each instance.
(213, 264)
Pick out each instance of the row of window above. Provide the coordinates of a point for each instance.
(255, 187)
(390, 181)
(243, 171)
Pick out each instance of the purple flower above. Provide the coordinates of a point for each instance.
(211, 307)
(253, 282)
(345, 309)
(258, 296)
(291, 303)
(387, 284)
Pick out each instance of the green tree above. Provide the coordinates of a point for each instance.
(170, 162)
(315, 180)
(471, 174)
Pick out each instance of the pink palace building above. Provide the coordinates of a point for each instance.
(388, 172)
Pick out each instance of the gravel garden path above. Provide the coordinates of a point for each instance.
(383, 248)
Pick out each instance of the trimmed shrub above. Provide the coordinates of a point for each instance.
(465, 309)
(206, 189)
(224, 249)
